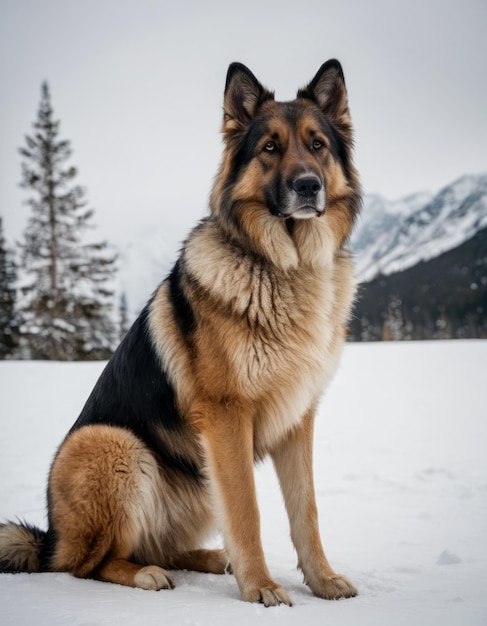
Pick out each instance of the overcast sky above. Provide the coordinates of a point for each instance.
(138, 88)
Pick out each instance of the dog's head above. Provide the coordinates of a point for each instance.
(288, 160)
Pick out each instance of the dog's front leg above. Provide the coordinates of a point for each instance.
(228, 442)
(293, 460)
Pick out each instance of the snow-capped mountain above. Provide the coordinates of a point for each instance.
(393, 236)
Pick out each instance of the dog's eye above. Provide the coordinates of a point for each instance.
(270, 146)
(317, 144)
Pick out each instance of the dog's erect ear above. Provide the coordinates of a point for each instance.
(328, 90)
(243, 96)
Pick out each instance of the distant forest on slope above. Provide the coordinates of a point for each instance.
(444, 298)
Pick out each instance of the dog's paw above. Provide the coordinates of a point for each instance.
(268, 595)
(334, 588)
(217, 562)
(153, 578)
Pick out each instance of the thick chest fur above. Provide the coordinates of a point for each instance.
(265, 338)
(279, 348)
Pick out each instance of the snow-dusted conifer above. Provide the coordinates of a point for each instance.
(124, 315)
(9, 318)
(67, 301)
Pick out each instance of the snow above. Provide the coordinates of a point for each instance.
(401, 481)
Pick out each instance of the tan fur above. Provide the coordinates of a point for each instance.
(270, 298)
(109, 496)
(253, 389)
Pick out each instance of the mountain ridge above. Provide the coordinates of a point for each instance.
(395, 235)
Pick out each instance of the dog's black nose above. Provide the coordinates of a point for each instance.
(307, 186)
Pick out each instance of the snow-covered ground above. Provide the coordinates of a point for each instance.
(401, 478)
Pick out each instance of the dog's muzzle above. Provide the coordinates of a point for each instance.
(306, 199)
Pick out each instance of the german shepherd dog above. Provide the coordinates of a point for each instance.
(224, 366)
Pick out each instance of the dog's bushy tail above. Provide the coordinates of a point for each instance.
(21, 548)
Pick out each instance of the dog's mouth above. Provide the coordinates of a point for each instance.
(304, 212)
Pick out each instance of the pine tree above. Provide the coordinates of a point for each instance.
(124, 315)
(395, 327)
(9, 319)
(67, 299)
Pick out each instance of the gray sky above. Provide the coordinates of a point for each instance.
(138, 88)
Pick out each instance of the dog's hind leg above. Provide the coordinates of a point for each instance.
(210, 561)
(94, 489)
(123, 572)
